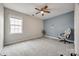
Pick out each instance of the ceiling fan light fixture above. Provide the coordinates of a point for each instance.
(42, 12)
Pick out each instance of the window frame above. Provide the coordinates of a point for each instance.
(21, 26)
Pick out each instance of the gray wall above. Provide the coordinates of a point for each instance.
(56, 25)
(1, 26)
(32, 27)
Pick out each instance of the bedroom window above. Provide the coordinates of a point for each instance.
(15, 25)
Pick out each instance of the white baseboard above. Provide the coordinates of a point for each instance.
(56, 38)
(52, 37)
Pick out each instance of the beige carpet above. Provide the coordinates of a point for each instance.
(39, 47)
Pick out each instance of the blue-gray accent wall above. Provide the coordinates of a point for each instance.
(56, 25)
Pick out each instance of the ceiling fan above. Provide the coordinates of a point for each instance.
(42, 10)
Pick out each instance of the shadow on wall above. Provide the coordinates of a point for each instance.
(72, 35)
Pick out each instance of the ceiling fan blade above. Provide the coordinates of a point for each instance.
(47, 11)
(37, 12)
(45, 7)
(37, 9)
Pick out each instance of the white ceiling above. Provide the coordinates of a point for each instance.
(28, 8)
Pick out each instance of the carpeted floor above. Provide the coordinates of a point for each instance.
(39, 47)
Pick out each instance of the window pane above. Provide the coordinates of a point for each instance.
(16, 26)
(11, 21)
(12, 26)
(16, 30)
(19, 23)
(12, 30)
(19, 31)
